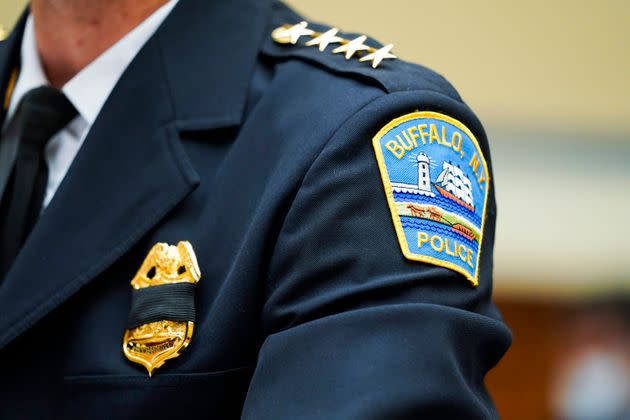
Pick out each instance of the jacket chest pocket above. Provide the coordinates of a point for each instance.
(209, 395)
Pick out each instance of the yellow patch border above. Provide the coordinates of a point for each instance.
(402, 240)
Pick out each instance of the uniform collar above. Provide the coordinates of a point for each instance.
(91, 87)
(9, 63)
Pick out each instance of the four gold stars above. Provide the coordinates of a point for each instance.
(290, 34)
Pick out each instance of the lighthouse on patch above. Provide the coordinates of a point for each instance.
(424, 174)
(423, 186)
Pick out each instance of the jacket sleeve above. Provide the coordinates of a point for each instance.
(355, 330)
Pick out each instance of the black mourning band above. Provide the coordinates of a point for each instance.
(167, 302)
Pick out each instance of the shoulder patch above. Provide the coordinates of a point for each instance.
(436, 181)
(350, 55)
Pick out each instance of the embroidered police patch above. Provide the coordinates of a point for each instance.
(436, 182)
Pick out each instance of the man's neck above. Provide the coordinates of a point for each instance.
(70, 34)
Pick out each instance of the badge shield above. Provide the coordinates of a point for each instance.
(162, 303)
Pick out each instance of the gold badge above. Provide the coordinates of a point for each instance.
(163, 289)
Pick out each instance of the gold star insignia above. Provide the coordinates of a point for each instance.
(291, 35)
(328, 37)
(352, 47)
(379, 55)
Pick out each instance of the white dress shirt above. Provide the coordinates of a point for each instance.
(88, 91)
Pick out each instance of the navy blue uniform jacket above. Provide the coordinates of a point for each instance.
(260, 155)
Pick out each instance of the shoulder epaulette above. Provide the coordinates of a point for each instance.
(286, 34)
(351, 54)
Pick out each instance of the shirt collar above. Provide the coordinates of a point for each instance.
(90, 88)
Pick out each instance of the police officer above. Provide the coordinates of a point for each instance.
(215, 209)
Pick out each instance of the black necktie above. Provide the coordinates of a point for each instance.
(41, 114)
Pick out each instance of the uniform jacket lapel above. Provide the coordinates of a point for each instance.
(132, 169)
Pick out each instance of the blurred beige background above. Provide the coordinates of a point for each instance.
(550, 80)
